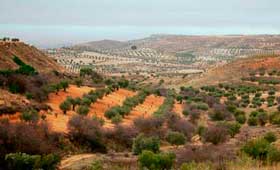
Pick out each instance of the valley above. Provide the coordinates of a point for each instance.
(103, 108)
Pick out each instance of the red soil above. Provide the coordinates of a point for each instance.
(149, 106)
(101, 106)
(178, 108)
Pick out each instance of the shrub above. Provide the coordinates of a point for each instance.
(270, 137)
(257, 148)
(232, 127)
(241, 118)
(275, 118)
(178, 124)
(116, 119)
(262, 118)
(86, 101)
(142, 142)
(112, 112)
(252, 121)
(258, 117)
(273, 155)
(30, 115)
(78, 82)
(86, 131)
(149, 126)
(220, 112)
(151, 161)
(216, 154)
(215, 134)
(122, 136)
(202, 106)
(21, 161)
(186, 112)
(83, 110)
(175, 138)
(96, 165)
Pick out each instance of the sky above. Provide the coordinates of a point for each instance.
(52, 23)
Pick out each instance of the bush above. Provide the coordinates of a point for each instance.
(258, 117)
(252, 121)
(116, 119)
(220, 112)
(21, 161)
(78, 82)
(121, 136)
(270, 137)
(241, 118)
(176, 138)
(83, 110)
(87, 132)
(141, 143)
(30, 115)
(273, 155)
(202, 106)
(186, 112)
(27, 138)
(215, 134)
(161, 161)
(178, 124)
(151, 126)
(232, 127)
(257, 148)
(275, 118)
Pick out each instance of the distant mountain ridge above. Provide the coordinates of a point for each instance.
(176, 43)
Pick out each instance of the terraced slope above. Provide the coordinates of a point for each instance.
(113, 99)
(149, 106)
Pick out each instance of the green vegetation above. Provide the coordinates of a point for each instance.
(151, 161)
(262, 149)
(176, 138)
(22, 161)
(127, 106)
(141, 143)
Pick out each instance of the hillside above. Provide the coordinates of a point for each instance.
(234, 71)
(28, 54)
(101, 45)
(176, 43)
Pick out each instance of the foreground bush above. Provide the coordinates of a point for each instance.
(22, 161)
(263, 149)
(149, 126)
(86, 132)
(142, 142)
(257, 148)
(270, 137)
(121, 137)
(215, 154)
(161, 161)
(215, 134)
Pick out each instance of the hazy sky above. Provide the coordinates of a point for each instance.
(55, 22)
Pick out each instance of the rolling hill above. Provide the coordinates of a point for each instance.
(234, 71)
(28, 54)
